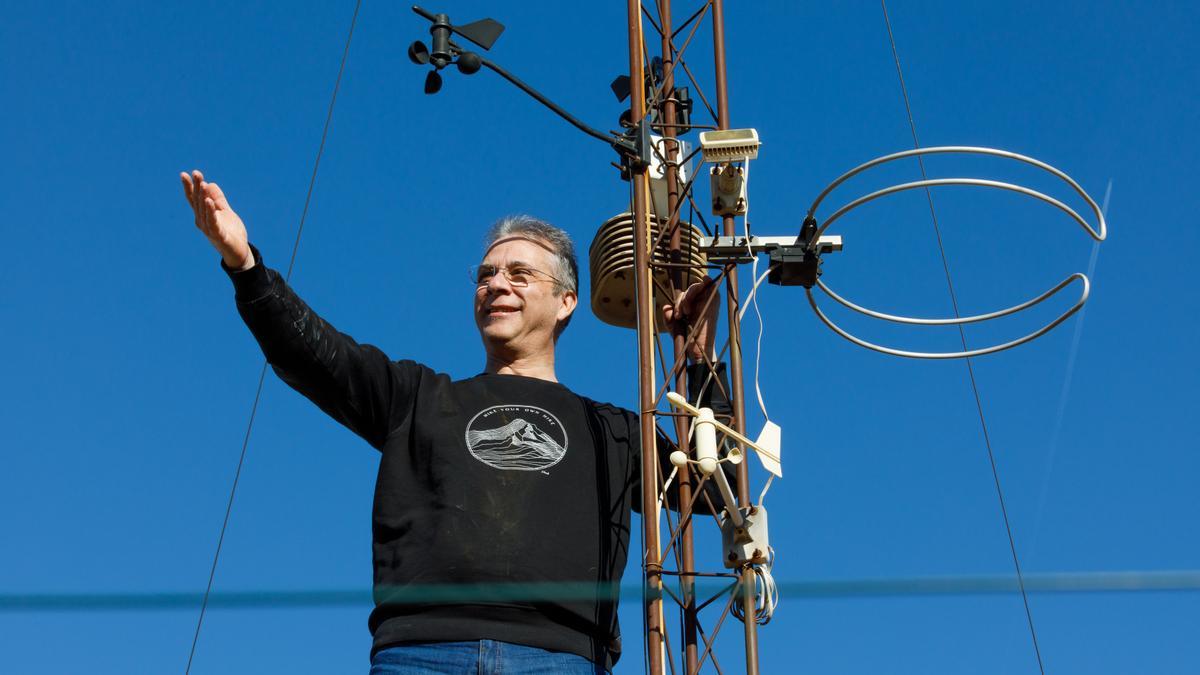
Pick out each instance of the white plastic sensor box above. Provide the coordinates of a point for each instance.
(727, 185)
(658, 173)
(729, 145)
(747, 542)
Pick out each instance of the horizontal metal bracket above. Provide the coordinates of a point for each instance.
(724, 250)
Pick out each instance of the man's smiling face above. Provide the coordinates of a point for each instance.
(521, 318)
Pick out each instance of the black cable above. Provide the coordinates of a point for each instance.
(963, 337)
(540, 98)
(263, 373)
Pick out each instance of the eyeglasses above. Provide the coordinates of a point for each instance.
(518, 276)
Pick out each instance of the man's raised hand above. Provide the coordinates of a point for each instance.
(218, 221)
(697, 308)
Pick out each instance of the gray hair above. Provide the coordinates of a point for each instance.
(566, 267)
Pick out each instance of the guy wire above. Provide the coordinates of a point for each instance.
(963, 337)
(263, 373)
(1066, 387)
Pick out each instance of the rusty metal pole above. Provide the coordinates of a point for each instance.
(652, 570)
(687, 558)
(735, 342)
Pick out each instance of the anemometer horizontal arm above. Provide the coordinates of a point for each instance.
(633, 146)
(540, 98)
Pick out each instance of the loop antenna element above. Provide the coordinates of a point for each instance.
(1083, 297)
(1098, 233)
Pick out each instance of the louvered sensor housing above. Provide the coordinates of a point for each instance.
(729, 145)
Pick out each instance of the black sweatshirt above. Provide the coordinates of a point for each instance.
(483, 483)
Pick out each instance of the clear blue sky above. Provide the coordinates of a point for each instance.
(129, 376)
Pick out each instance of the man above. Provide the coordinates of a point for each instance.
(506, 477)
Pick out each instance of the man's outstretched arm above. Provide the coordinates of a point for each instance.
(355, 384)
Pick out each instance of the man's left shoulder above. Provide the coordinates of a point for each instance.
(615, 422)
(605, 409)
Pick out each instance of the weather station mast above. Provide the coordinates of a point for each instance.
(671, 106)
(648, 256)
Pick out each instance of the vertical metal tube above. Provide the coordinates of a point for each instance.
(646, 377)
(687, 562)
(735, 341)
(729, 229)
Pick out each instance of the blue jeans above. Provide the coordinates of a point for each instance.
(483, 657)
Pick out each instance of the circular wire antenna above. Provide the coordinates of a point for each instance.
(1097, 233)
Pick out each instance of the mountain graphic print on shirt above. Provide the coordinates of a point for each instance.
(516, 438)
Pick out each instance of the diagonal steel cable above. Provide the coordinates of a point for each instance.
(263, 373)
(963, 337)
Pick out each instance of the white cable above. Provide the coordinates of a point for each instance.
(753, 297)
(766, 599)
(741, 315)
(766, 593)
(670, 478)
(751, 300)
(763, 495)
(770, 590)
(753, 290)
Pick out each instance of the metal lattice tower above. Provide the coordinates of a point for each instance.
(675, 556)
